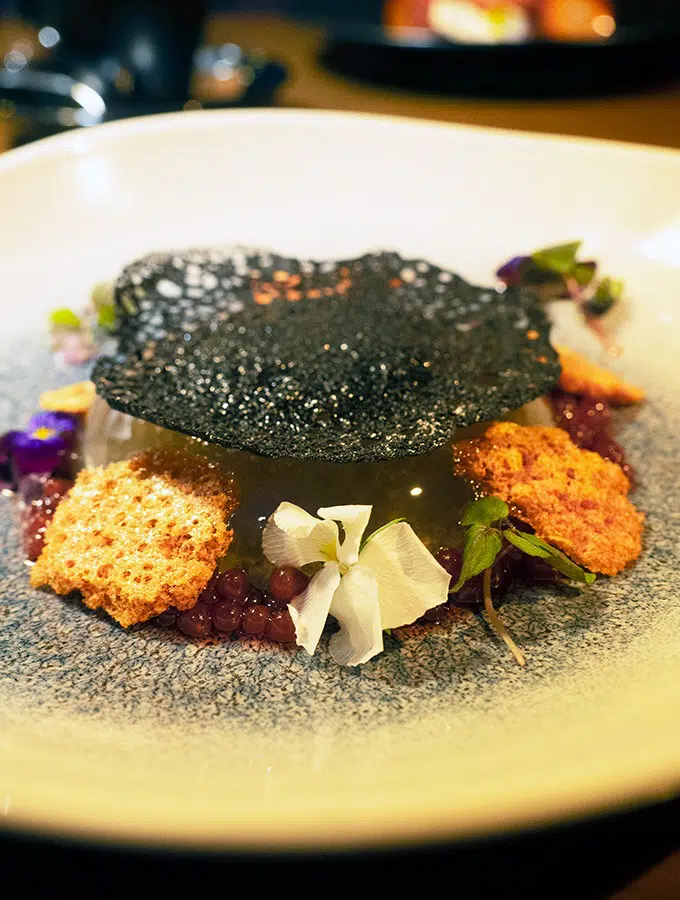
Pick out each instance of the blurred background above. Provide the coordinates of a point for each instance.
(74, 63)
(592, 68)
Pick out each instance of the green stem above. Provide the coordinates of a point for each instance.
(496, 622)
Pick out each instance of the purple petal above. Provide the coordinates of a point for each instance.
(55, 421)
(510, 273)
(31, 454)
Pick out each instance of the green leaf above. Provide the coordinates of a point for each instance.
(523, 542)
(584, 273)
(482, 546)
(560, 258)
(484, 511)
(106, 317)
(65, 318)
(532, 545)
(609, 291)
(382, 528)
(102, 295)
(613, 287)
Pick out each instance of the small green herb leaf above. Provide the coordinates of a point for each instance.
(609, 292)
(484, 511)
(106, 317)
(102, 295)
(560, 259)
(482, 545)
(65, 318)
(534, 546)
(584, 272)
(525, 543)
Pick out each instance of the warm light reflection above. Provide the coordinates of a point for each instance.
(222, 69)
(416, 491)
(605, 26)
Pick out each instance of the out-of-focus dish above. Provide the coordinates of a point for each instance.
(501, 47)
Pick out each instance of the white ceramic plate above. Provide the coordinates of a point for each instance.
(139, 737)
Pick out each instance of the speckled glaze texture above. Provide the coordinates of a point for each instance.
(364, 359)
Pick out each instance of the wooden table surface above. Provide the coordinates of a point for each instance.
(649, 118)
(652, 117)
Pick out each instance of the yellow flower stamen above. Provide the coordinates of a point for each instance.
(43, 434)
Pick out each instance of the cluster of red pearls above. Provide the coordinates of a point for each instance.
(231, 605)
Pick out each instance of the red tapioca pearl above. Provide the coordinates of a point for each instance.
(233, 584)
(168, 618)
(34, 524)
(196, 622)
(226, 615)
(255, 619)
(287, 582)
(280, 627)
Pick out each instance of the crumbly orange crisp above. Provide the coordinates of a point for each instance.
(571, 497)
(138, 536)
(580, 376)
(74, 398)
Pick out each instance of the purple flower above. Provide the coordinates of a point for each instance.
(512, 272)
(54, 421)
(41, 447)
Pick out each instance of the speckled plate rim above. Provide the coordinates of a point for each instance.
(615, 776)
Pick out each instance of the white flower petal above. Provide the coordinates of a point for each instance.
(309, 610)
(355, 606)
(354, 520)
(294, 537)
(410, 580)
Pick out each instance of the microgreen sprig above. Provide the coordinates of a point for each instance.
(78, 337)
(488, 524)
(557, 274)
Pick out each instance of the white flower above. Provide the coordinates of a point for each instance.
(389, 582)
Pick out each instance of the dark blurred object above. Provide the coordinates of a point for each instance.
(152, 40)
(226, 75)
(109, 60)
(637, 45)
(581, 861)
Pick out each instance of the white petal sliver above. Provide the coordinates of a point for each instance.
(410, 580)
(355, 606)
(309, 610)
(354, 521)
(293, 537)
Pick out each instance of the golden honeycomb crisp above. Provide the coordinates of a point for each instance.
(571, 497)
(580, 376)
(138, 536)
